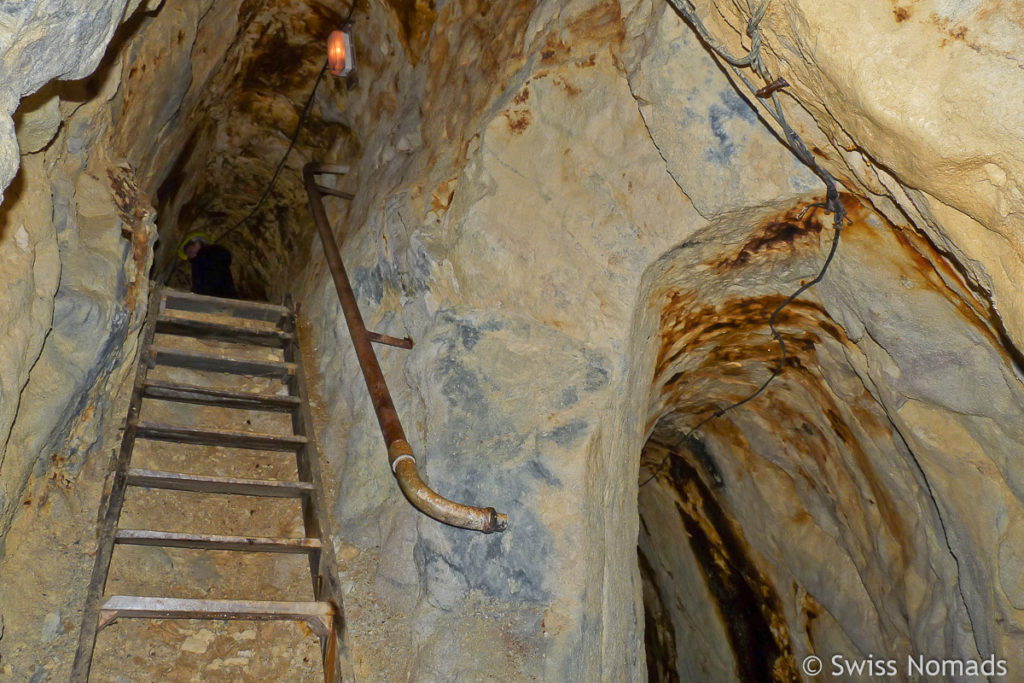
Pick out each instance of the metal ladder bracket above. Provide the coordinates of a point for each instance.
(402, 343)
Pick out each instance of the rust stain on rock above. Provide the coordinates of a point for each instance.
(555, 50)
(772, 236)
(441, 198)
(518, 121)
(603, 23)
(565, 85)
(416, 19)
(133, 209)
(801, 223)
(954, 32)
(926, 263)
(726, 328)
(747, 602)
(487, 35)
(712, 354)
(521, 96)
(811, 609)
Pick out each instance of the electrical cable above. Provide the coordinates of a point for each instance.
(351, 11)
(837, 227)
(291, 145)
(832, 203)
(277, 171)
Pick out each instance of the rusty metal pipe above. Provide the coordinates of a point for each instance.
(400, 455)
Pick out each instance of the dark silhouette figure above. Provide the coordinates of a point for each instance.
(211, 269)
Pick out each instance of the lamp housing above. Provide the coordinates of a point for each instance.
(341, 57)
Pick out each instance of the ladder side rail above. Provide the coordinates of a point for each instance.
(314, 513)
(115, 500)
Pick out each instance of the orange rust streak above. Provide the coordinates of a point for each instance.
(416, 18)
(745, 598)
(732, 323)
(734, 353)
(775, 234)
(943, 274)
(725, 342)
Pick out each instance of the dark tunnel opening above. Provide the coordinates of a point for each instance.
(216, 127)
(696, 566)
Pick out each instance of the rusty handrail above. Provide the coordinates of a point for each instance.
(400, 455)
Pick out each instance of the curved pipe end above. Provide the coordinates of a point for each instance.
(400, 455)
(429, 502)
(499, 522)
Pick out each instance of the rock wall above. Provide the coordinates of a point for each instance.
(77, 232)
(103, 142)
(123, 113)
(505, 222)
(530, 217)
(944, 395)
(868, 524)
(74, 235)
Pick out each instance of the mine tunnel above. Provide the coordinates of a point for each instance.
(716, 303)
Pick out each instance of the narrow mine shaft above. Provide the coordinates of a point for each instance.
(718, 303)
(686, 516)
(816, 470)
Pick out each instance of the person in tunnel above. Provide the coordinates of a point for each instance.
(211, 266)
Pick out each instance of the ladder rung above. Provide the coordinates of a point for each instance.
(168, 539)
(219, 437)
(207, 329)
(189, 393)
(241, 487)
(317, 614)
(236, 308)
(196, 360)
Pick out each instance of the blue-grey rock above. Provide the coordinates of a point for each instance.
(51, 626)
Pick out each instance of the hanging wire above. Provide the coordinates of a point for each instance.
(832, 203)
(776, 371)
(754, 60)
(277, 171)
(351, 11)
(294, 139)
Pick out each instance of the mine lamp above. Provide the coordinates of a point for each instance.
(340, 56)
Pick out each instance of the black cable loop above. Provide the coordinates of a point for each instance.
(839, 216)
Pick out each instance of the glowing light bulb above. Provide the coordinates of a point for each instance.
(341, 58)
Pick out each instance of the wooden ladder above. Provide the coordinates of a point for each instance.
(226, 324)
